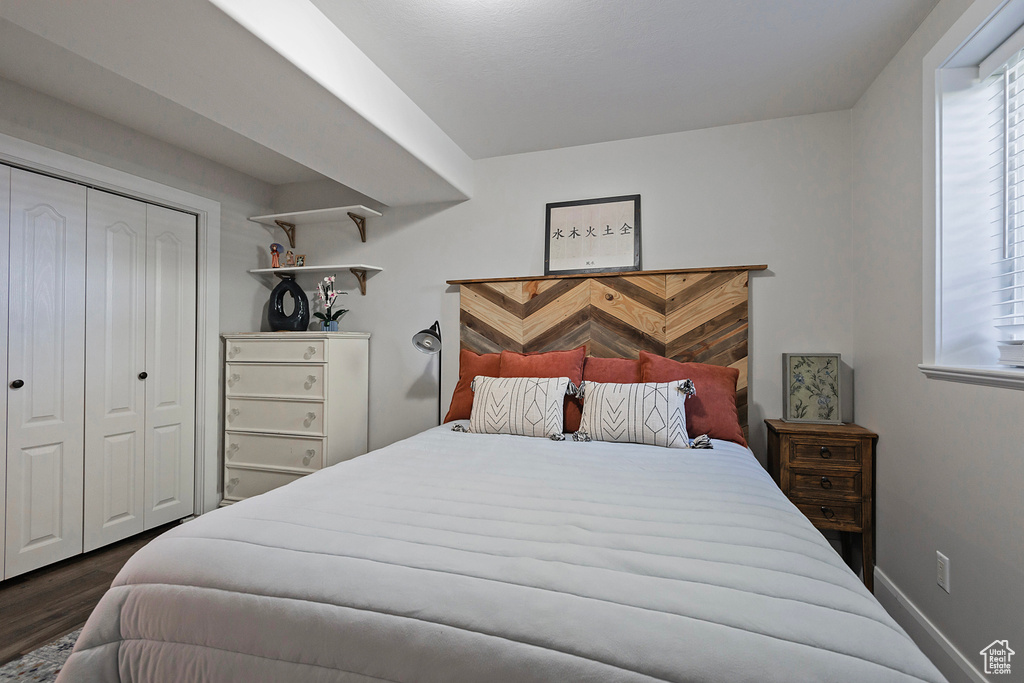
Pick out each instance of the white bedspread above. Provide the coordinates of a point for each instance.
(470, 557)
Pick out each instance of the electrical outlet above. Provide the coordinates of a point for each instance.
(942, 570)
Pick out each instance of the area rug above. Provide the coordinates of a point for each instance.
(40, 665)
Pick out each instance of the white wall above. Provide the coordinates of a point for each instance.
(32, 116)
(772, 192)
(950, 465)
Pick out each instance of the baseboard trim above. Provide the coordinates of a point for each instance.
(955, 657)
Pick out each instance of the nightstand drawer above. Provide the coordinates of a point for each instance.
(821, 450)
(830, 513)
(824, 482)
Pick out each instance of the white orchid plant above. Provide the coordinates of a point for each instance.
(325, 289)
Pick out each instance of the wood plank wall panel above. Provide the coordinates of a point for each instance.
(692, 315)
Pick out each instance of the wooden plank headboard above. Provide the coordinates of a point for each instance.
(695, 314)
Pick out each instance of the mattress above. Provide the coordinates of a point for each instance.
(473, 557)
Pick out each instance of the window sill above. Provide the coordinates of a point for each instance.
(987, 375)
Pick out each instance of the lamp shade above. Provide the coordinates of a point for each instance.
(428, 340)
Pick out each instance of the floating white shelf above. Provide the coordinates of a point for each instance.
(291, 220)
(360, 270)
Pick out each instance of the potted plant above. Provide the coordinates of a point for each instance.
(329, 319)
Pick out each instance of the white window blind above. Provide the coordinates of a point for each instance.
(1009, 261)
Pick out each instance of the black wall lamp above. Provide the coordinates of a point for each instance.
(429, 341)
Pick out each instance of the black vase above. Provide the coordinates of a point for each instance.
(298, 321)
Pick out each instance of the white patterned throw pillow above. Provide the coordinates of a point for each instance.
(526, 406)
(645, 413)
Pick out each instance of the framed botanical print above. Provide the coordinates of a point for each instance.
(816, 388)
(593, 236)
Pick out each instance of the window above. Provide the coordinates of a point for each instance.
(977, 228)
(1009, 255)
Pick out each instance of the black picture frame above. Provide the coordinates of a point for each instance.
(624, 257)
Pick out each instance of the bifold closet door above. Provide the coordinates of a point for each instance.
(5, 241)
(115, 347)
(140, 377)
(171, 365)
(45, 371)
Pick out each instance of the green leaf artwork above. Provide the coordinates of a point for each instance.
(813, 387)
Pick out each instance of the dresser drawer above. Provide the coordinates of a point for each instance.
(276, 350)
(248, 448)
(831, 513)
(820, 450)
(824, 482)
(287, 380)
(268, 415)
(243, 483)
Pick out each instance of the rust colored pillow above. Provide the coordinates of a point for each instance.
(611, 370)
(470, 365)
(713, 410)
(550, 364)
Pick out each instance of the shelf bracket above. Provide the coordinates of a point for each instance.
(289, 229)
(361, 278)
(360, 222)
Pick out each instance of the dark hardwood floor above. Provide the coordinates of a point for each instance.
(43, 605)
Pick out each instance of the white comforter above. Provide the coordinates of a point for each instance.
(466, 557)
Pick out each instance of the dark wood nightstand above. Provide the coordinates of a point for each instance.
(828, 472)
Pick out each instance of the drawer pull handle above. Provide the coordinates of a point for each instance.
(232, 483)
(826, 483)
(825, 452)
(17, 384)
(231, 450)
(309, 456)
(828, 512)
(234, 351)
(310, 352)
(309, 419)
(310, 381)
(234, 378)
(234, 413)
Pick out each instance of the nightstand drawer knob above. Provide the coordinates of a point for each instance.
(826, 483)
(825, 452)
(828, 512)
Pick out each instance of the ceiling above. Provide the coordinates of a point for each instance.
(508, 76)
(394, 99)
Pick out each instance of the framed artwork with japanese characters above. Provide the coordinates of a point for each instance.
(593, 236)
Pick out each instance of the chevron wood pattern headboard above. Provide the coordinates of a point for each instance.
(696, 314)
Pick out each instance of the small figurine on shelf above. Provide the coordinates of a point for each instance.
(289, 259)
(275, 255)
(300, 260)
(329, 320)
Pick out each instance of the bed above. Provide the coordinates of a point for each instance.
(478, 557)
(454, 556)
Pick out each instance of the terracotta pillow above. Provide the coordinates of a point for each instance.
(550, 364)
(712, 410)
(470, 365)
(611, 370)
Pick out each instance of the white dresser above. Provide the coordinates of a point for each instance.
(294, 402)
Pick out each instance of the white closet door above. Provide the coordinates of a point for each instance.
(5, 243)
(115, 347)
(171, 365)
(45, 426)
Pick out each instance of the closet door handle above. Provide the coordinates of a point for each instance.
(143, 375)
(17, 384)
